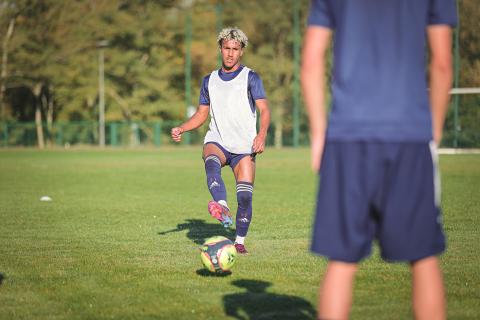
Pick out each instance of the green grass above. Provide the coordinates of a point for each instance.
(120, 238)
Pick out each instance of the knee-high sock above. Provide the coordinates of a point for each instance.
(244, 212)
(213, 168)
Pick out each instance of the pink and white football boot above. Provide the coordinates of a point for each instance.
(221, 213)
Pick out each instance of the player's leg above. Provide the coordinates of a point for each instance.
(428, 293)
(244, 172)
(215, 158)
(343, 229)
(411, 223)
(335, 296)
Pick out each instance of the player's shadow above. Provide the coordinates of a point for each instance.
(257, 303)
(1, 278)
(199, 230)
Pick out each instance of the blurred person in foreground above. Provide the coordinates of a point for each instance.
(377, 159)
(231, 95)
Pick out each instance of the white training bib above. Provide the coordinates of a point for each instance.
(232, 121)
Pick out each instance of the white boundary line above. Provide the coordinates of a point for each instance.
(465, 91)
(458, 151)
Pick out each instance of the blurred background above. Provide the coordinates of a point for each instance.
(123, 73)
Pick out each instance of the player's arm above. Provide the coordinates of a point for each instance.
(259, 141)
(439, 39)
(194, 122)
(317, 40)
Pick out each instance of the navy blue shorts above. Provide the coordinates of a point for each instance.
(232, 159)
(381, 191)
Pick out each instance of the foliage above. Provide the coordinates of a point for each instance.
(53, 56)
(56, 46)
(469, 14)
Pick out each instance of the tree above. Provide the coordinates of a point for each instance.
(3, 73)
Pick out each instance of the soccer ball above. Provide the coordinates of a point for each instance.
(218, 254)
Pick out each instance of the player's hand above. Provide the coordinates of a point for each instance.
(437, 137)
(177, 134)
(317, 145)
(259, 143)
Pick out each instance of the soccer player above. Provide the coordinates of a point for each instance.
(377, 158)
(231, 96)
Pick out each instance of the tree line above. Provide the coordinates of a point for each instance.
(51, 49)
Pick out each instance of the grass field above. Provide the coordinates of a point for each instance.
(120, 238)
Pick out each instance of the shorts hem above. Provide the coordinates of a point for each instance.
(340, 258)
(413, 258)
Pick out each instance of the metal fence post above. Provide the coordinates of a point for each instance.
(157, 131)
(456, 125)
(59, 130)
(296, 72)
(188, 68)
(218, 16)
(113, 134)
(5, 134)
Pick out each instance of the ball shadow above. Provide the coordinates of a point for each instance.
(206, 273)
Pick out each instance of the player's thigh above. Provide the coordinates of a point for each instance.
(245, 169)
(211, 148)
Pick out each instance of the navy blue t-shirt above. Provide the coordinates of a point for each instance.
(379, 83)
(255, 86)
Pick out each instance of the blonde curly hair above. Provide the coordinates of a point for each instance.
(232, 34)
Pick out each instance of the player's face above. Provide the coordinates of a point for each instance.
(231, 52)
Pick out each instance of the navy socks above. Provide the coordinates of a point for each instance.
(244, 212)
(215, 183)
